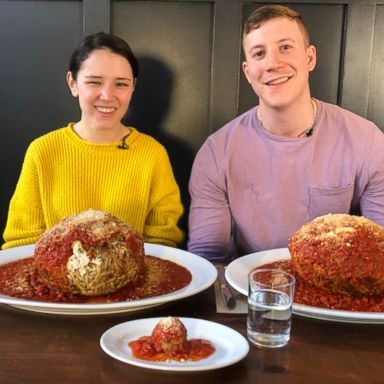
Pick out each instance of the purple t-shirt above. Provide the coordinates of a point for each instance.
(251, 189)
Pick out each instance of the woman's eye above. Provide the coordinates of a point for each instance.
(122, 84)
(285, 47)
(93, 82)
(258, 54)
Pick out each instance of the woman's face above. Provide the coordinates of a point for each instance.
(104, 86)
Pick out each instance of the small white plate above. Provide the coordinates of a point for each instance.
(230, 345)
(203, 275)
(237, 271)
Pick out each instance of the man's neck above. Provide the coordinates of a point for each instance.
(293, 121)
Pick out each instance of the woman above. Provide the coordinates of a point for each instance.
(97, 162)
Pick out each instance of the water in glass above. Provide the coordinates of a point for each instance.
(269, 318)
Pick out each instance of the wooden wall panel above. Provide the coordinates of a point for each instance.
(171, 101)
(376, 78)
(172, 96)
(190, 54)
(36, 39)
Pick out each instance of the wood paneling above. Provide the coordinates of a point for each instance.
(376, 75)
(36, 39)
(172, 96)
(191, 81)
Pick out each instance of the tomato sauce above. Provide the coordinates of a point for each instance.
(192, 350)
(309, 294)
(21, 279)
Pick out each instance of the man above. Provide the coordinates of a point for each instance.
(286, 161)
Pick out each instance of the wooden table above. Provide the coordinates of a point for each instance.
(40, 348)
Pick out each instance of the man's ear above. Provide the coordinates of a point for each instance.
(72, 84)
(312, 57)
(246, 72)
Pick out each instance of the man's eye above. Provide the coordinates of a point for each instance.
(285, 47)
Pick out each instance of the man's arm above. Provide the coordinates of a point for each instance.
(372, 199)
(209, 216)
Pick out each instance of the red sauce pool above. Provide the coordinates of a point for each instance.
(191, 350)
(20, 279)
(308, 294)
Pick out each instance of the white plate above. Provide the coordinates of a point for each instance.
(237, 271)
(203, 275)
(230, 345)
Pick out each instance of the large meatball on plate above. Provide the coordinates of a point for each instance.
(90, 253)
(340, 253)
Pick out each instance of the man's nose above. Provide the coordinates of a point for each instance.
(274, 59)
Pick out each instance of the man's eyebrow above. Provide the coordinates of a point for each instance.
(283, 40)
(286, 39)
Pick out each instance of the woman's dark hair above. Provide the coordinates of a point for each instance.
(101, 40)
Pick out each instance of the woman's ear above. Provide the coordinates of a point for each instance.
(72, 84)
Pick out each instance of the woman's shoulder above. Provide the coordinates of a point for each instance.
(51, 136)
(47, 146)
(145, 140)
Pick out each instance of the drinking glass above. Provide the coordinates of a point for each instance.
(270, 298)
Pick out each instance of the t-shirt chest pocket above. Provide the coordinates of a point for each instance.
(330, 200)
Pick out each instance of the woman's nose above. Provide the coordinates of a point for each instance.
(106, 92)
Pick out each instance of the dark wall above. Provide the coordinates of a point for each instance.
(191, 81)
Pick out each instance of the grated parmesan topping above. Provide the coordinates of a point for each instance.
(87, 215)
(169, 324)
(334, 226)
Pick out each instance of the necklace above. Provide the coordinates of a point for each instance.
(308, 131)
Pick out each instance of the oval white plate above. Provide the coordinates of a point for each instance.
(230, 345)
(203, 275)
(237, 271)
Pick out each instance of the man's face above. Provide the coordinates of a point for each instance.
(277, 62)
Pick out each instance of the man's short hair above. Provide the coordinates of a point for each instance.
(269, 12)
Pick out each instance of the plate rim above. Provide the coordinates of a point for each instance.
(302, 309)
(197, 284)
(240, 343)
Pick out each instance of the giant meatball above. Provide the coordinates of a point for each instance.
(90, 253)
(341, 253)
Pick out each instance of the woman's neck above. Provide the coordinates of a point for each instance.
(100, 136)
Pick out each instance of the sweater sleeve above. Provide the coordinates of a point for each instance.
(161, 224)
(209, 216)
(25, 221)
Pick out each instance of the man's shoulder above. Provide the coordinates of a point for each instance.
(337, 112)
(352, 128)
(236, 125)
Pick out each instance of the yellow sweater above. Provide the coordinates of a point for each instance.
(63, 174)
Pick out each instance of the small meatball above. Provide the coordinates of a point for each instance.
(169, 335)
